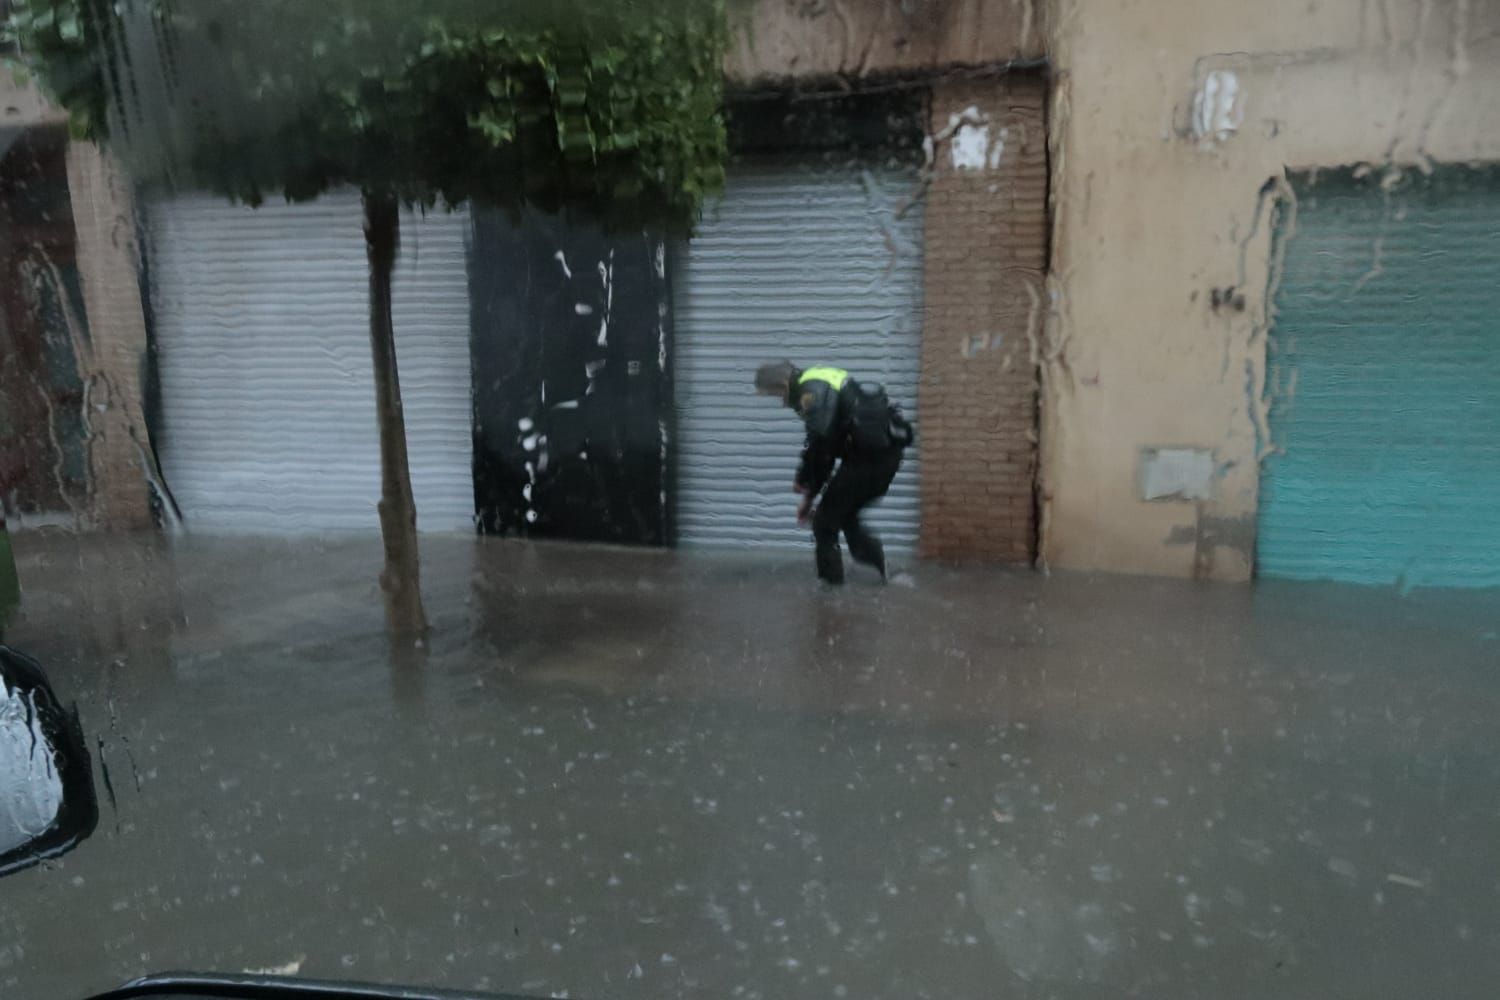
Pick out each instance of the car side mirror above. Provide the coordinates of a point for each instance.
(47, 803)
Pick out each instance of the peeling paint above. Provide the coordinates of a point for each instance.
(1278, 202)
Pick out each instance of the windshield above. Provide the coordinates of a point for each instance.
(745, 499)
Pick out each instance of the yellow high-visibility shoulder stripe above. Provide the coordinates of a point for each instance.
(835, 377)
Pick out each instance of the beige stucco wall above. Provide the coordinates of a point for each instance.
(1150, 218)
(112, 362)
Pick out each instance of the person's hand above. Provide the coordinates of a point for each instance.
(804, 511)
(798, 488)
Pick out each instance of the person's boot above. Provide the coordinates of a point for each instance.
(830, 564)
(865, 547)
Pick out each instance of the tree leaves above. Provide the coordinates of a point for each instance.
(607, 109)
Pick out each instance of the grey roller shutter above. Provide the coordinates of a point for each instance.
(261, 327)
(808, 263)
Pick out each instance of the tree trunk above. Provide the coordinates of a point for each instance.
(401, 579)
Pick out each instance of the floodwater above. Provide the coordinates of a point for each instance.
(641, 774)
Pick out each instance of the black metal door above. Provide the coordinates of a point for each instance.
(572, 396)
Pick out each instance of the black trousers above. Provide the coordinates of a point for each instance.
(859, 481)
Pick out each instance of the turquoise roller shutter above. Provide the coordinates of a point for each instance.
(1384, 374)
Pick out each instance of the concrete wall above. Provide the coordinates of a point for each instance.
(1173, 125)
(777, 40)
(113, 361)
(983, 304)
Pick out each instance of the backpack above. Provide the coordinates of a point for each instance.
(877, 424)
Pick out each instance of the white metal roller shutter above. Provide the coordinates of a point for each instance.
(808, 263)
(262, 337)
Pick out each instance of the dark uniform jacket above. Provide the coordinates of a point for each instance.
(825, 399)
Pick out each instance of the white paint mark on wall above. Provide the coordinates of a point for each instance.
(562, 260)
(607, 279)
(997, 149)
(591, 370)
(661, 336)
(1177, 474)
(583, 309)
(968, 135)
(663, 439)
(970, 147)
(976, 343)
(1217, 107)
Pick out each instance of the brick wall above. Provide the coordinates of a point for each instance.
(986, 249)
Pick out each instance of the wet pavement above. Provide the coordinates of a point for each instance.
(618, 773)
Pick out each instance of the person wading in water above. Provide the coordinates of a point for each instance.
(854, 427)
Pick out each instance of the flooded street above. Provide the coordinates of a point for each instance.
(616, 773)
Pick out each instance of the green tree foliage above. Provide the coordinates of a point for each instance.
(605, 106)
(608, 109)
